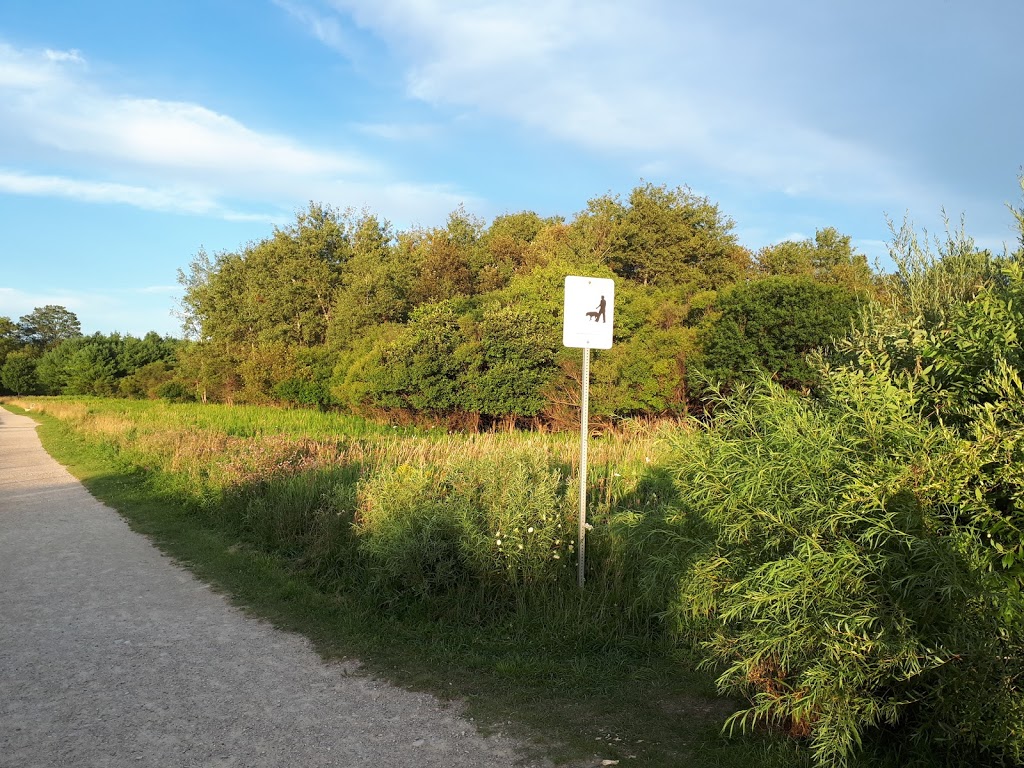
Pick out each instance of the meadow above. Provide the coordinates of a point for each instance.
(443, 561)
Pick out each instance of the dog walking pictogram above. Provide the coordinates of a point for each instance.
(598, 315)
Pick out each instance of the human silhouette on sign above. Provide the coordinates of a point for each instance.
(598, 316)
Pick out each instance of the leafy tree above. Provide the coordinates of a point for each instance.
(828, 258)
(310, 382)
(135, 353)
(9, 338)
(147, 381)
(353, 380)
(211, 368)
(447, 260)
(18, 373)
(99, 364)
(257, 307)
(645, 370)
(375, 285)
(863, 586)
(45, 327)
(666, 237)
(93, 367)
(52, 369)
(281, 289)
(644, 375)
(506, 246)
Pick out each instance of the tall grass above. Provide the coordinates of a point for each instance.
(476, 523)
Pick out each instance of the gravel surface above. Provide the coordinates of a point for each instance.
(111, 655)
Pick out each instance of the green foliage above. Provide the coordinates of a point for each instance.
(771, 325)
(257, 306)
(410, 533)
(9, 338)
(447, 260)
(669, 237)
(107, 365)
(828, 258)
(644, 373)
(147, 380)
(311, 394)
(419, 370)
(863, 588)
(460, 323)
(174, 391)
(499, 525)
(375, 284)
(846, 593)
(455, 358)
(510, 358)
(507, 246)
(45, 327)
(18, 373)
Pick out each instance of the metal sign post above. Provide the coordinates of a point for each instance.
(587, 323)
(581, 538)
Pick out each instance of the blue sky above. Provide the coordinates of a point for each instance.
(132, 134)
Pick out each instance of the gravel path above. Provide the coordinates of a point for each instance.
(111, 655)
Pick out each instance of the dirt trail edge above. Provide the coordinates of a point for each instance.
(111, 655)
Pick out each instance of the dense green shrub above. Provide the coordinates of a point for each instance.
(847, 589)
(19, 373)
(864, 582)
(771, 325)
(175, 391)
(311, 394)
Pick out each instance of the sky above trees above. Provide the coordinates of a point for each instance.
(133, 134)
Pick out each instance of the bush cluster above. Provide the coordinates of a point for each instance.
(861, 586)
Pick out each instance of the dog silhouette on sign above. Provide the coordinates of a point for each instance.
(598, 315)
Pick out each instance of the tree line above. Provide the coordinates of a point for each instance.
(45, 352)
(461, 323)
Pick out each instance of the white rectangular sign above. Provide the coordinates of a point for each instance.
(589, 311)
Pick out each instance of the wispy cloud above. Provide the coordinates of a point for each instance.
(62, 56)
(663, 83)
(399, 132)
(168, 200)
(171, 156)
(325, 28)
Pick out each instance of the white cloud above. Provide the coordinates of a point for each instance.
(185, 137)
(666, 83)
(170, 200)
(172, 156)
(61, 56)
(56, 109)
